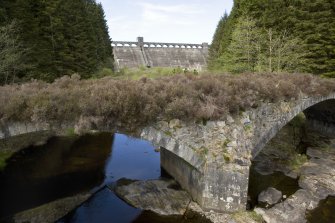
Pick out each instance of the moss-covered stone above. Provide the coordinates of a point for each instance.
(4, 155)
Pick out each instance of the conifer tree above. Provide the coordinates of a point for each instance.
(11, 53)
(64, 37)
(241, 54)
(302, 35)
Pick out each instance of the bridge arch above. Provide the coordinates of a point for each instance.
(319, 112)
(215, 182)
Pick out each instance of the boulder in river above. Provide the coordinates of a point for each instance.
(269, 197)
(163, 197)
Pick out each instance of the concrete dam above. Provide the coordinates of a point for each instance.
(155, 54)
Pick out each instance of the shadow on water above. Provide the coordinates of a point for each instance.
(324, 212)
(259, 182)
(64, 166)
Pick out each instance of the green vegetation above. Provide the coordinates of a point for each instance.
(276, 36)
(227, 157)
(11, 53)
(247, 216)
(203, 151)
(225, 143)
(297, 161)
(142, 72)
(4, 155)
(298, 121)
(70, 132)
(48, 39)
(247, 127)
(131, 103)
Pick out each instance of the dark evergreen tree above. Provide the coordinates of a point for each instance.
(309, 24)
(219, 34)
(316, 26)
(63, 37)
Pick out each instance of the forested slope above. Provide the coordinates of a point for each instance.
(276, 36)
(48, 39)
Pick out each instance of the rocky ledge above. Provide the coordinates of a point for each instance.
(160, 196)
(165, 197)
(269, 197)
(317, 180)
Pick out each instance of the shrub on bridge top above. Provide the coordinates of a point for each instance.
(133, 103)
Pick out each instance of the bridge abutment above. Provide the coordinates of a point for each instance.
(210, 161)
(213, 187)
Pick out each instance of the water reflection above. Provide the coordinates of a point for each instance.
(63, 167)
(133, 159)
(130, 158)
(103, 207)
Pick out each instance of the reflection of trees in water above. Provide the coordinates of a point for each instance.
(64, 166)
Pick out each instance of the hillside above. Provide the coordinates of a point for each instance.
(276, 36)
(48, 39)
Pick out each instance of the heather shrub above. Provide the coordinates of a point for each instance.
(132, 103)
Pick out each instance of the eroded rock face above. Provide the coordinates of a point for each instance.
(160, 196)
(269, 197)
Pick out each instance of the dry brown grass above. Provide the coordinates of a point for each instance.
(140, 102)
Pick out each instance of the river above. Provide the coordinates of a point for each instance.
(67, 166)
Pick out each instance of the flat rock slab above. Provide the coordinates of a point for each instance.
(51, 212)
(160, 196)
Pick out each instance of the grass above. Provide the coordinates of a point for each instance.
(4, 155)
(142, 72)
(246, 216)
(70, 132)
(297, 161)
(137, 99)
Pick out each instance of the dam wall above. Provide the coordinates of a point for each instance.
(155, 54)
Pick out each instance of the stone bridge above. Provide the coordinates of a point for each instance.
(154, 54)
(211, 160)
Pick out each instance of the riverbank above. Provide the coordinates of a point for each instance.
(317, 182)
